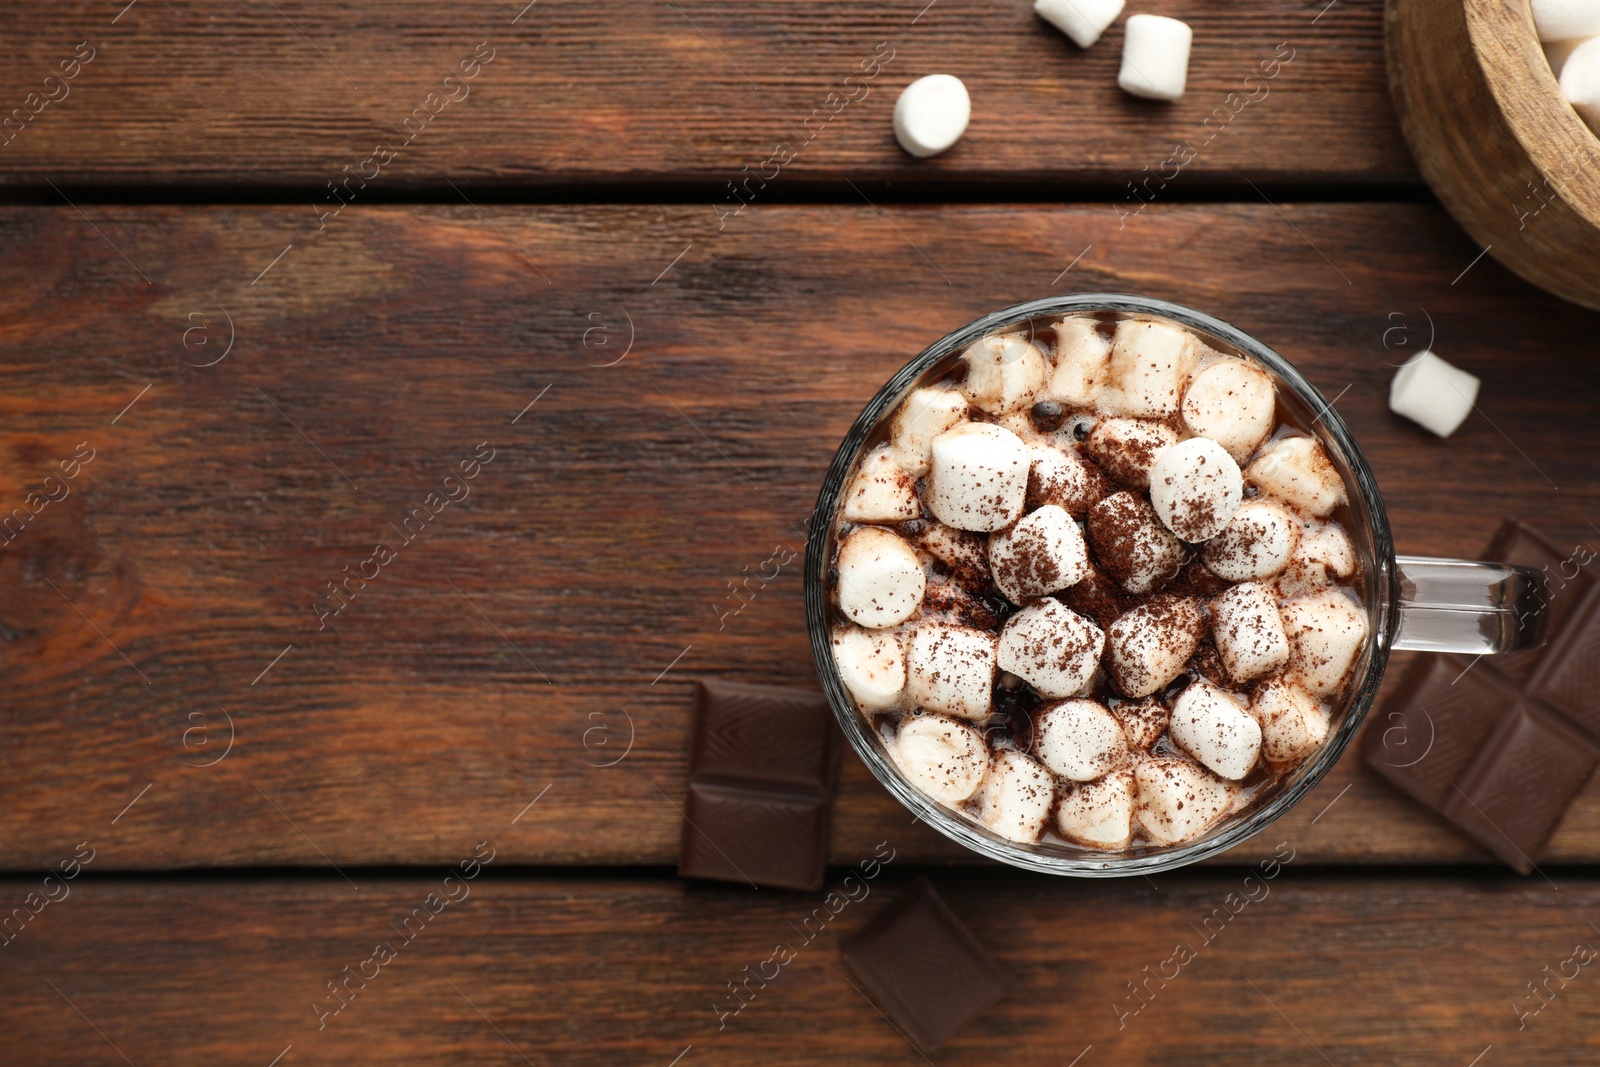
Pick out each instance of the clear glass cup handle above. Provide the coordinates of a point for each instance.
(1457, 605)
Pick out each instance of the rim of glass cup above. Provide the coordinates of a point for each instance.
(1382, 594)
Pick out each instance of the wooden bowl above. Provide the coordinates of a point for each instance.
(1492, 134)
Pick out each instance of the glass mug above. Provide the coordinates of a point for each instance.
(1412, 603)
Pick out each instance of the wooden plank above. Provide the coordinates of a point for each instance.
(586, 580)
(1410, 972)
(290, 95)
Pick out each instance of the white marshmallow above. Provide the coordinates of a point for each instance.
(1558, 52)
(1080, 740)
(1061, 477)
(1292, 722)
(1052, 648)
(944, 758)
(1562, 20)
(1126, 449)
(1150, 364)
(880, 578)
(1324, 557)
(951, 669)
(1326, 634)
(1082, 20)
(1083, 358)
(1150, 644)
(1155, 57)
(881, 492)
(979, 477)
(1043, 553)
(1580, 81)
(1179, 800)
(1098, 814)
(965, 554)
(1431, 392)
(1214, 726)
(1004, 372)
(1017, 794)
(1249, 631)
(1234, 403)
(1195, 487)
(1298, 472)
(931, 114)
(1258, 543)
(1143, 721)
(871, 666)
(1130, 542)
(922, 416)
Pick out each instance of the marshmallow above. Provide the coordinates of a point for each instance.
(1062, 477)
(1041, 554)
(1017, 794)
(1131, 543)
(1429, 391)
(931, 114)
(979, 477)
(1052, 648)
(1004, 373)
(1150, 364)
(1195, 487)
(1580, 81)
(951, 669)
(1100, 813)
(1214, 726)
(965, 555)
(880, 578)
(924, 415)
(1179, 800)
(881, 492)
(1558, 52)
(944, 758)
(1327, 631)
(1082, 20)
(1562, 20)
(871, 666)
(1298, 472)
(1143, 721)
(1249, 631)
(1080, 740)
(946, 600)
(1257, 543)
(1324, 557)
(1083, 359)
(1155, 57)
(1149, 645)
(1233, 403)
(1292, 722)
(1127, 448)
(1096, 597)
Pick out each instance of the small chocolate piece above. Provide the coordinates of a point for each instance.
(924, 968)
(761, 771)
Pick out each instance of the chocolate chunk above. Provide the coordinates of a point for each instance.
(740, 834)
(924, 968)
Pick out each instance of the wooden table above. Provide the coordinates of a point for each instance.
(533, 265)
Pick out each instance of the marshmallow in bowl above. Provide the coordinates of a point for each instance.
(1297, 471)
(1127, 448)
(1293, 722)
(1248, 631)
(1257, 543)
(1323, 557)
(1150, 365)
(1179, 800)
(1051, 647)
(1131, 542)
(1043, 553)
(922, 416)
(1195, 487)
(1143, 721)
(1216, 728)
(944, 758)
(1017, 794)
(1082, 20)
(966, 555)
(1083, 361)
(931, 114)
(1232, 402)
(1061, 477)
(1580, 81)
(880, 578)
(1326, 633)
(1149, 646)
(1566, 20)
(1432, 393)
(1004, 373)
(1080, 740)
(979, 477)
(1099, 813)
(881, 491)
(1155, 57)
(871, 666)
(951, 669)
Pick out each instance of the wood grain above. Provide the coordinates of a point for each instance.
(1410, 972)
(287, 96)
(501, 656)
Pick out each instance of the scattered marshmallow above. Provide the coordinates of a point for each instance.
(1082, 20)
(881, 492)
(1155, 57)
(1061, 477)
(1043, 553)
(1298, 472)
(1563, 20)
(1234, 403)
(1258, 543)
(1249, 632)
(1292, 722)
(1052, 648)
(979, 477)
(1100, 813)
(1143, 721)
(1127, 448)
(1558, 52)
(871, 665)
(1196, 487)
(1080, 740)
(1324, 557)
(1179, 800)
(1327, 631)
(951, 669)
(1150, 363)
(1149, 646)
(1431, 392)
(1083, 359)
(1214, 726)
(944, 758)
(965, 555)
(924, 415)
(1017, 794)
(931, 114)
(1132, 544)
(1004, 372)
(880, 578)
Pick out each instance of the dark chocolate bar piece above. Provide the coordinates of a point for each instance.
(740, 834)
(763, 733)
(924, 968)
